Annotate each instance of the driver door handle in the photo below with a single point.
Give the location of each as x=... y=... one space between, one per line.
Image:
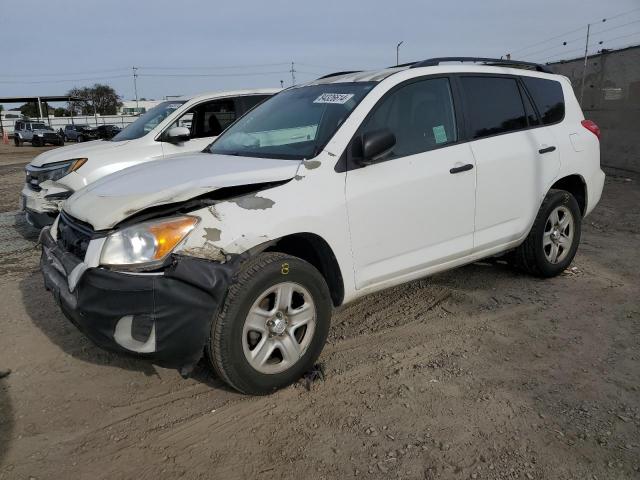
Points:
x=462 y=168
x=547 y=150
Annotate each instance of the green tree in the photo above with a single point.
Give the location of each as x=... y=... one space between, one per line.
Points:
x=99 y=98
x=31 y=109
x=60 y=112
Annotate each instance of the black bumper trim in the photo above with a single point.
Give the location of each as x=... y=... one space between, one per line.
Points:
x=182 y=302
x=39 y=219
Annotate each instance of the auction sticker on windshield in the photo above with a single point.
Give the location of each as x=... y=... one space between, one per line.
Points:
x=339 y=98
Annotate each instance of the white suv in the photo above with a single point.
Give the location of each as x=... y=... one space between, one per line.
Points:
x=326 y=192
x=176 y=126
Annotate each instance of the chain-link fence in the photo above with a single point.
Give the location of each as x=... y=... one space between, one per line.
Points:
x=611 y=98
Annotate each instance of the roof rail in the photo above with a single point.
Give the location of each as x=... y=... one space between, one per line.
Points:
x=335 y=74
x=432 y=62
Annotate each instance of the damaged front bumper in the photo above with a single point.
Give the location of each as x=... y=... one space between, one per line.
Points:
x=39 y=211
x=165 y=317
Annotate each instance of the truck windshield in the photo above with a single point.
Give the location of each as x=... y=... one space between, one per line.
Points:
x=295 y=124
x=148 y=121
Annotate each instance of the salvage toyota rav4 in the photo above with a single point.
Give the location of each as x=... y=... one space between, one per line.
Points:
x=328 y=191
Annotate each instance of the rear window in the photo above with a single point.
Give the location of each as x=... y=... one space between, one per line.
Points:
x=494 y=106
x=548 y=97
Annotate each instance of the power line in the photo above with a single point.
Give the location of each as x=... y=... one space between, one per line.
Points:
x=63 y=80
x=622 y=36
x=621 y=14
x=48 y=74
x=573 y=31
x=546 y=41
x=219 y=67
x=529 y=55
x=206 y=75
x=552 y=58
x=599 y=43
x=619 y=26
x=124 y=69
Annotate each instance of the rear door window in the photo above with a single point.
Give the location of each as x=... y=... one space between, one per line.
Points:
x=494 y=105
x=548 y=97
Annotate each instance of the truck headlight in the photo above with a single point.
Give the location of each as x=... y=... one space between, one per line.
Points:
x=53 y=171
x=147 y=243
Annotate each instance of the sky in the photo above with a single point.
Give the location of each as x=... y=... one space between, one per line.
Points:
x=194 y=46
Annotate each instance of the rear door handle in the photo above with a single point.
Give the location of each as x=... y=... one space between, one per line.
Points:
x=462 y=168
x=547 y=150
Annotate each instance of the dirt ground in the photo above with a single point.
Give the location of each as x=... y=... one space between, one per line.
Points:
x=480 y=372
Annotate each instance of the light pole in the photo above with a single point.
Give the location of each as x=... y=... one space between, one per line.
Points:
x=398 y=52
x=135 y=85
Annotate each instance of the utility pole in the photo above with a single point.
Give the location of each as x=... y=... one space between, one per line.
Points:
x=584 y=67
x=293 y=74
x=135 y=85
x=281 y=83
x=398 y=52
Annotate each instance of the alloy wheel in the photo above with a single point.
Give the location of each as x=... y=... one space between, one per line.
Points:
x=557 y=238
x=279 y=328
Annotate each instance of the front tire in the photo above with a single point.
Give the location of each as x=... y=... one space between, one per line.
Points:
x=273 y=324
x=553 y=240
x=79 y=139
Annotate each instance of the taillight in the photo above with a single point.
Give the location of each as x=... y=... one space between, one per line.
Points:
x=592 y=127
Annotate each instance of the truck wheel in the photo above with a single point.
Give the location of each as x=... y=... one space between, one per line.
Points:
x=17 y=141
x=35 y=142
x=79 y=139
x=273 y=324
x=553 y=240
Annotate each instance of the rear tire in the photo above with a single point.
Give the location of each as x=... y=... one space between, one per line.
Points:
x=554 y=237
x=271 y=292
x=17 y=141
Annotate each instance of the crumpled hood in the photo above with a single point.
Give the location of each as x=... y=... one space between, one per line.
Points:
x=108 y=201
x=79 y=150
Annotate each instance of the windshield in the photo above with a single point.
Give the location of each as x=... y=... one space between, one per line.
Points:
x=38 y=126
x=295 y=124
x=148 y=121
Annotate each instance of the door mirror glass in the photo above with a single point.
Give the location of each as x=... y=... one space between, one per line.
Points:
x=177 y=135
x=375 y=144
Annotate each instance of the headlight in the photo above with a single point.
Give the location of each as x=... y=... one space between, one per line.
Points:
x=146 y=243
x=55 y=171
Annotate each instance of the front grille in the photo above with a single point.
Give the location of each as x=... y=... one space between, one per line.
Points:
x=51 y=136
x=73 y=235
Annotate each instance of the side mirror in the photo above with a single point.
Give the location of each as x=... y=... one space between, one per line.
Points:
x=177 y=135
x=375 y=144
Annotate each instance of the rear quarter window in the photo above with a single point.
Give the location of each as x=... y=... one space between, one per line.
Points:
x=548 y=97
